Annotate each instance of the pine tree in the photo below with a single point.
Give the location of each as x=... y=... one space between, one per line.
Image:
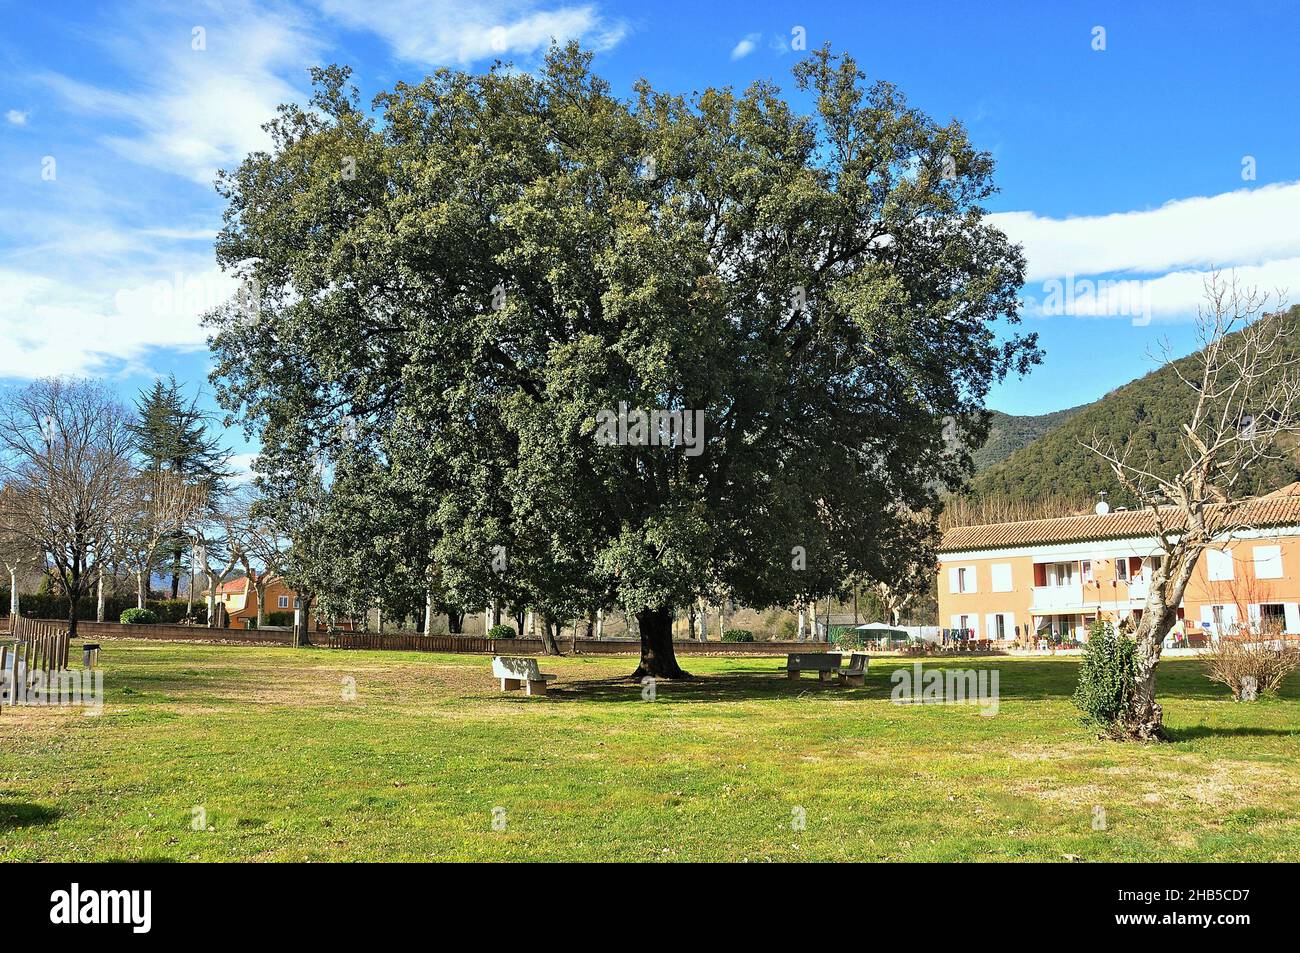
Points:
x=171 y=433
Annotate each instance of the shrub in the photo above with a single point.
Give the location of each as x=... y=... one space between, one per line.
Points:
x=283 y=618
x=1105 y=676
x=501 y=631
x=1234 y=660
x=738 y=635
x=139 y=617
x=175 y=610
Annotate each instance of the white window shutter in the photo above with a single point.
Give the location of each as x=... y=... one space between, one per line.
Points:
x=953 y=585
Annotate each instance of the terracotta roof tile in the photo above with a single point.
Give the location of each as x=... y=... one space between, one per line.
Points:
x=1280 y=508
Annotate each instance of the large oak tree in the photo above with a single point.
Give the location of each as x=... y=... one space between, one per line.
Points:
x=464 y=277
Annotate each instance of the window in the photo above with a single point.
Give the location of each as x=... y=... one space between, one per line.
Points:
x=961 y=579
x=295 y=603
x=1121 y=569
x=1002 y=577
x=1085 y=570
x=1219 y=564
x=1002 y=625
x=1062 y=574
x=1216 y=613
x=284 y=602
x=1272 y=618
x=1268 y=562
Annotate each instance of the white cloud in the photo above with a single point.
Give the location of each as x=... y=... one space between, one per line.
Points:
x=54 y=327
x=1246 y=227
x=242 y=465
x=439 y=32
x=1172 y=296
x=745 y=46
x=191 y=111
x=17 y=117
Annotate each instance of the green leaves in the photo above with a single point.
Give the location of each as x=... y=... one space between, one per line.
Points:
x=514 y=254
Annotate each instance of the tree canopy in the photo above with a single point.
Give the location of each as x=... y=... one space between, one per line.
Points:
x=449 y=292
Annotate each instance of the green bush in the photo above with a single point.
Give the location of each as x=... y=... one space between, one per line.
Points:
x=1105 y=676
x=501 y=631
x=139 y=617
x=738 y=635
x=279 y=618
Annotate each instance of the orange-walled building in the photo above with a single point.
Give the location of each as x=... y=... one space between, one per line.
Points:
x=240 y=602
x=1029 y=580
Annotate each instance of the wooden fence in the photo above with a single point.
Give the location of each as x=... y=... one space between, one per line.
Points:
x=409 y=642
x=39 y=647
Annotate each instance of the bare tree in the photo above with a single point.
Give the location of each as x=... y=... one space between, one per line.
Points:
x=1246 y=395
x=16 y=548
x=161 y=504
x=65 y=448
x=257 y=545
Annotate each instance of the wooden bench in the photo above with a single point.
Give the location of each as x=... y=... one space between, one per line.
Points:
x=825 y=664
x=516 y=673
x=856 y=674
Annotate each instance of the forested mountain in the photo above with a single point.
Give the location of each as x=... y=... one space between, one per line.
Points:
x=1150 y=411
x=1008 y=433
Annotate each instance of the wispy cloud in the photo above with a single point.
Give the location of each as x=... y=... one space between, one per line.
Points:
x=1247 y=227
x=193 y=110
x=1163 y=254
x=16 y=117
x=444 y=32
x=746 y=46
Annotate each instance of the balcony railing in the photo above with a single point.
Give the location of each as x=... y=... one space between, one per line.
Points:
x=1058 y=597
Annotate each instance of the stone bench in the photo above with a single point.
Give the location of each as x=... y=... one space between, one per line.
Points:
x=516 y=673
x=856 y=674
x=825 y=664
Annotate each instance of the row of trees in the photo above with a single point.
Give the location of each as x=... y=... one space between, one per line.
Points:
x=91 y=491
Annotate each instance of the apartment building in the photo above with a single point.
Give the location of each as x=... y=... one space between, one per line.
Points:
x=1021 y=581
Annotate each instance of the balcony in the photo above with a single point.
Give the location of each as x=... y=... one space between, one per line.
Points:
x=1058 y=597
x=1137 y=588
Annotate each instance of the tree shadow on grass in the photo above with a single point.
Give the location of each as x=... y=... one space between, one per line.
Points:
x=766 y=680
x=1192 y=732
x=15 y=815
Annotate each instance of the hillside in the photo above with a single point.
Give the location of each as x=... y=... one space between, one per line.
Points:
x=1008 y=433
x=1150 y=409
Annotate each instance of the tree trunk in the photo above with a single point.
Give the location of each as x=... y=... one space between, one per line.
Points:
x=302 y=624
x=600 y=624
x=548 y=636
x=212 y=600
x=799 y=636
x=658 y=660
x=455 y=621
x=176 y=571
x=72 y=616
x=1144 y=718
x=139 y=590
x=428 y=613
x=99 y=597
x=13 y=594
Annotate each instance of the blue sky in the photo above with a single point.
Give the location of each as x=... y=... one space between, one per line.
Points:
x=1172 y=150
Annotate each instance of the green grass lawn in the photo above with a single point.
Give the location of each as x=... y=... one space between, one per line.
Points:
x=286 y=768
